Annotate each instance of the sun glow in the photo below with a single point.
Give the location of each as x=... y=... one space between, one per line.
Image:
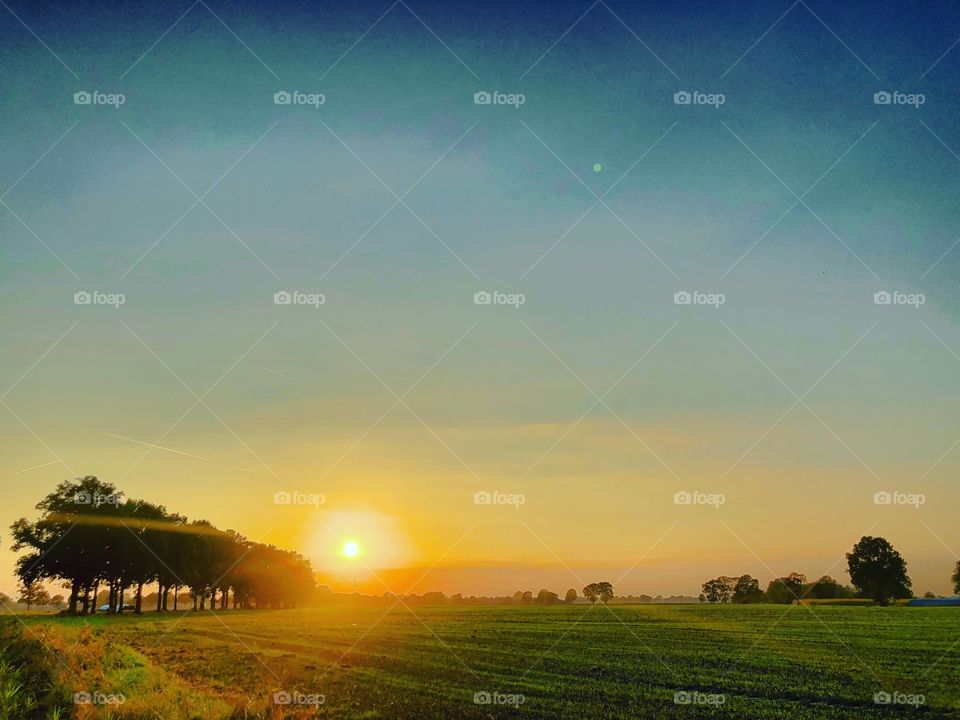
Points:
x=350 y=549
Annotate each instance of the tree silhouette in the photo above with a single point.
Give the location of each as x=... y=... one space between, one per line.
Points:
x=877 y=570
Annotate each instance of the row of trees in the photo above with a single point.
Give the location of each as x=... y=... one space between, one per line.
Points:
x=876 y=570
x=91 y=537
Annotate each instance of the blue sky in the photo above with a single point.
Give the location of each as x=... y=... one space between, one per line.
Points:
x=493 y=197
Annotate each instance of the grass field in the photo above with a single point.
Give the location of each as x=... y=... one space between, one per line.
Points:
x=566 y=661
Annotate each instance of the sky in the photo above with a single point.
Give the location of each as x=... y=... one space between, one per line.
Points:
x=183 y=197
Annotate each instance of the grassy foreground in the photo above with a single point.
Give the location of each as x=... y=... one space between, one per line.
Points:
x=566 y=661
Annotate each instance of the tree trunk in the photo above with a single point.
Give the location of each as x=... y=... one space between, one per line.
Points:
x=120 y=601
x=139 y=601
x=176 y=596
x=194 y=601
x=159 y=596
x=86 y=599
x=74 y=592
x=96 y=590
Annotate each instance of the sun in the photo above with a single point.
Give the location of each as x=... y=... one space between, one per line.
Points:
x=350 y=549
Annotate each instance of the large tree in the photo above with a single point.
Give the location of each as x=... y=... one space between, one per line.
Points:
x=746 y=590
x=877 y=570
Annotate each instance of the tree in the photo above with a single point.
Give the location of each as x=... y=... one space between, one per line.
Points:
x=571 y=597
x=746 y=590
x=602 y=591
x=827 y=588
x=32 y=593
x=545 y=597
x=718 y=590
x=58 y=601
x=956 y=579
x=878 y=571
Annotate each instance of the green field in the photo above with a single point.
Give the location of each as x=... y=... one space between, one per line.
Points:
x=624 y=661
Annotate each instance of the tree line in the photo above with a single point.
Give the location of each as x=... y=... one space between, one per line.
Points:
x=90 y=537
x=877 y=572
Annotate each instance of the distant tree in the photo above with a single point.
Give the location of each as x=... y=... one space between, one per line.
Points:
x=956 y=579
x=31 y=593
x=526 y=598
x=518 y=597
x=58 y=601
x=602 y=591
x=826 y=588
x=718 y=590
x=877 y=570
x=929 y=595
x=702 y=597
x=746 y=590
x=545 y=597
x=571 y=597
